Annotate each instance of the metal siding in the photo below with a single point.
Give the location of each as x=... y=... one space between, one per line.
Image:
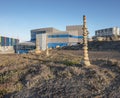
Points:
x=0 y=40
x=4 y=41
x=7 y=41
x=13 y=42
x=10 y=44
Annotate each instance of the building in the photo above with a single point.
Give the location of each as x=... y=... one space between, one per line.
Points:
x=52 y=38
x=6 y=41
x=7 y=44
x=107 y=32
x=24 y=47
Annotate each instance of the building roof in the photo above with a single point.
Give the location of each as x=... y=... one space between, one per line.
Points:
x=48 y=29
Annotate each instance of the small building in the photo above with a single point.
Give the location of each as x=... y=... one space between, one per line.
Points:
x=6 y=41
x=24 y=47
x=7 y=44
x=107 y=32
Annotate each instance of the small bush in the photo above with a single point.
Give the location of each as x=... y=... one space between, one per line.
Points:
x=69 y=63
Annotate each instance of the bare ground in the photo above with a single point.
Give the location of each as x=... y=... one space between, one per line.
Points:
x=60 y=75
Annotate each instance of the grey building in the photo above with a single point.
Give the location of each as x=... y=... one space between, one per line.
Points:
x=52 y=38
x=107 y=32
x=24 y=47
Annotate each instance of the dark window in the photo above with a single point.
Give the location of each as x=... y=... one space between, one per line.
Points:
x=110 y=29
x=105 y=30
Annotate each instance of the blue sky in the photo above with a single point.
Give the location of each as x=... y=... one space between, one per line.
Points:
x=18 y=17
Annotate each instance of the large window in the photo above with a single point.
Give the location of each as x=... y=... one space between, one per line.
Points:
x=58 y=36
x=33 y=34
x=40 y=32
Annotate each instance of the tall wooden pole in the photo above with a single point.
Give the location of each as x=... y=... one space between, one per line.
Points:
x=86 y=61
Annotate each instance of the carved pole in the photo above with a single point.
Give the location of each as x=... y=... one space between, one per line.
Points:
x=86 y=61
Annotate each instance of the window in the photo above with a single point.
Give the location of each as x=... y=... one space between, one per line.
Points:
x=110 y=29
x=64 y=36
x=39 y=32
x=58 y=36
x=105 y=30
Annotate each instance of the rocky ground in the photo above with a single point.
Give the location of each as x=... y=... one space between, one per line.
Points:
x=60 y=75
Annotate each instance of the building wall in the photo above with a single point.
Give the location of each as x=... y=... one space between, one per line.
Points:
x=75 y=30
x=6 y=49
x=58 y=37
x=42 y=41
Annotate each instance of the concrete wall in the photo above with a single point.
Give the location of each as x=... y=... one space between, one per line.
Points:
x=42 y=41
x=75 y=30
x=6 y=49
x=57 y=38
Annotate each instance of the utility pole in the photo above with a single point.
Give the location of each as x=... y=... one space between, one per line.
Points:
x=85 y=61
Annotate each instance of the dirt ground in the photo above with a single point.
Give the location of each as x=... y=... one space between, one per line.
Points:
x=60 y=75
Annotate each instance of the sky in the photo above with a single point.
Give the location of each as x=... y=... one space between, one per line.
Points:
x=18 y=17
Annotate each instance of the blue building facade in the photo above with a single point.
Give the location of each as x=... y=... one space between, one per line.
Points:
x=61 y=36
x=6 y=41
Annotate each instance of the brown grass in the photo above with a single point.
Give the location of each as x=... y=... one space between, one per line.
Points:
x=29 y=70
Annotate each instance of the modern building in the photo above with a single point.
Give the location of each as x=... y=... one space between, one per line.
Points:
x=107 y=32
x=52 y=38
x=6 y=41
x=7 y=44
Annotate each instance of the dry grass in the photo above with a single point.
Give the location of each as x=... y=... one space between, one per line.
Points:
x=29 y=70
